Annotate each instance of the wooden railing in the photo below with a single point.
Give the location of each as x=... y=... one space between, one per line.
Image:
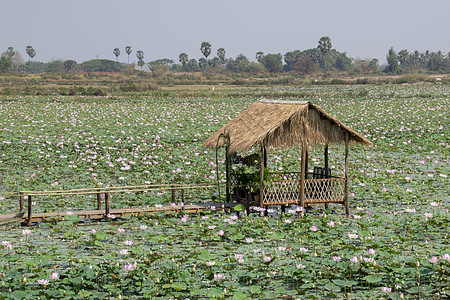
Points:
x=103 y=194
x=286 y=192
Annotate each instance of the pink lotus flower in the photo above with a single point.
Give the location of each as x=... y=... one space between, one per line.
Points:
x=331 y=224
x=372 y=251
x=43 y=282
x=300 y=266
x=313 y=228
x=386 y=289
x=433 y=260
x=354 y=259
x=130 y=267
x=54 y=276
x=221 y=232
x=337 y=258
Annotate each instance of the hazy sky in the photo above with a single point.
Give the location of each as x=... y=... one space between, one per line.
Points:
x=84 y=29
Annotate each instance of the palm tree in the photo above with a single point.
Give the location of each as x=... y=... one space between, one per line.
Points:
x=140 y=56
x=183 y=58
x=205 y=48
x=30 y=51
x=325 y=47
x=221 y=54
x=128 y=51
x=259 y=57
x=116 y=52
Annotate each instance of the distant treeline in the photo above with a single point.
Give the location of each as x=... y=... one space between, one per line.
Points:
x=322 y=59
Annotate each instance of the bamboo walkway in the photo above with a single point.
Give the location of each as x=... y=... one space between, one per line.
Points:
x=115 y=213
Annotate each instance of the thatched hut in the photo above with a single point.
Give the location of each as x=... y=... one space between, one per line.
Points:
x=279 y=124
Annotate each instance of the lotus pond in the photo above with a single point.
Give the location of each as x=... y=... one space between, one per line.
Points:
x=394 y=245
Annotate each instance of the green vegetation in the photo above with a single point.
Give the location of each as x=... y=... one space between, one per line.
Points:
x=320 y=60
x=393 y=246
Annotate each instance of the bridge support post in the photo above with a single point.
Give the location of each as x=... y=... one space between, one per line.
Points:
x=29 y=210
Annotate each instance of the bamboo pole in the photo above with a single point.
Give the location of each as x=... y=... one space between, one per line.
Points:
x=262 y=151
x=347 y=207
x=173 y=193
x=29 y=210
x=302 y=177
x=227 y=173
x=124 y=189
x=106 y=205
x=21 y=201
x=325 y=153
x=99 y=199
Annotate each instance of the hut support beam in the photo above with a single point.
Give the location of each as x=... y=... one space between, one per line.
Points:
x=325 y=154
x=262 y=162
x=227 y=173
x=347 y=207
x=302 y=177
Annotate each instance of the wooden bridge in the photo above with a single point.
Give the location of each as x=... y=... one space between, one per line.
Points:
x=27 y=215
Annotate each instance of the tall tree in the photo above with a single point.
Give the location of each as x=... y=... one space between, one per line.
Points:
x=140 y=56
x=325 y=47
x=403 y=58
x=128 y=52
x=116 y=52
x=259 y=56
x=10 y=53
x=192 y=65
x=221 y=54
x=273 y=63
x=5 y=64
x=205 y=48
x=374 y=63
x=31 y=52
x=183 y=58
x=70 y=66
x=392 y=61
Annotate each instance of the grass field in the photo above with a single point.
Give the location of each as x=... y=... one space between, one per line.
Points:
x=395 y=244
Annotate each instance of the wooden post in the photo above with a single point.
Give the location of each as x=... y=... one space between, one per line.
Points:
x=173 y=193
x=182 y=195
x=262 y=151
x=21 y=201
x=347 y=207
x=107 y=205
x=99 y=199
x=227 y=174
x=247 y=205
x=29 y=210
x=306 y=164
x=302 y=177
x=325 y=154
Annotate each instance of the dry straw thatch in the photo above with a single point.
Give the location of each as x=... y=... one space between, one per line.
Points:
x=278 y=123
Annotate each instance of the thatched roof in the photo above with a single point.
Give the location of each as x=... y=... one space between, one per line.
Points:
x=279 y=123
